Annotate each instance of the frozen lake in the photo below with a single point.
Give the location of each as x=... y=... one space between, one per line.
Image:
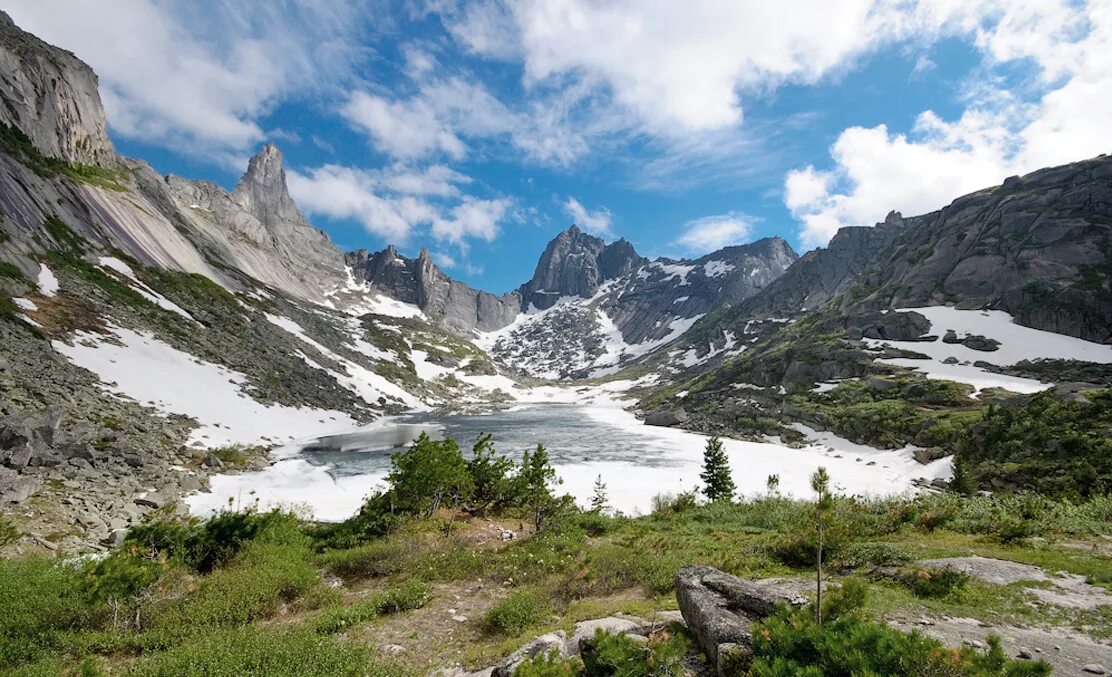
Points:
x=329 y=477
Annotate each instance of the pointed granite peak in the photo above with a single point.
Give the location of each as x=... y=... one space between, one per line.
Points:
x=263 y=191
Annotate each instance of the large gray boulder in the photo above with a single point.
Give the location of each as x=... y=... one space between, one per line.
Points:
x=719 y=610
x=553 y=641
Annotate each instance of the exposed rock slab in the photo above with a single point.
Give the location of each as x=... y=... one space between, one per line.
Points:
x=719 y=610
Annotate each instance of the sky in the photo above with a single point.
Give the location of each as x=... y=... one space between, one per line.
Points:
x=481 y=129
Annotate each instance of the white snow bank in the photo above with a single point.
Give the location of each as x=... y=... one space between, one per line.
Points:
x=138 y=365
x=25 y=304
x=1017 y=343
x=47 y=282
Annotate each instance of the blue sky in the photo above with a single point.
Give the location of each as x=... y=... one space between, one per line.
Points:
x=481 y=129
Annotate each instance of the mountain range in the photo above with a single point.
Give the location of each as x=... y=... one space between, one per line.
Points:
x=123 y=291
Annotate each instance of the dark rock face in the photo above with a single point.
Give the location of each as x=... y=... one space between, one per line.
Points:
x=719 y=610
x=453 y=304
x=666 y=419
x=1037 y=248
x=576 y=264
x=51 y=96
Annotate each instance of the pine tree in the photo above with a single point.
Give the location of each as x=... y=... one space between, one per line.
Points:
x=773 y=485
x=598 y=500
x=534 y=480
x=820 y=482
x=718 y=484
x=962 y=482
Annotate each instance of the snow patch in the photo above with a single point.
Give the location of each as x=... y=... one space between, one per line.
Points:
x=47 y=282
x=718 y=268
x=135 y=364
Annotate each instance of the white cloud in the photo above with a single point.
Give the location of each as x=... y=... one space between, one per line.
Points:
x=684 y=66
x=445 y=112
x=392 y=203
x=711 y=233
x=999 y=134
x=595 y=222
x=195 y=78
x=471 y=218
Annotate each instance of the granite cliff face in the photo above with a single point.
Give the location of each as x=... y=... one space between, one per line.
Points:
x=52 y=96
x=1038 y=247
x=56 y=127
x=576 y=264
x=451 y=303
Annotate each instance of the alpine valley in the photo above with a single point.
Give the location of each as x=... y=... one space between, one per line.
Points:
x=168 y=346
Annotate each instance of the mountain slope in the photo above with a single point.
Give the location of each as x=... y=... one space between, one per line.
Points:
x=1038 y=247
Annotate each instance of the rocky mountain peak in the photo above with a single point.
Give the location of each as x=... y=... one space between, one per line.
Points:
x=574 y=264
x=263 y=191
x=51 y=96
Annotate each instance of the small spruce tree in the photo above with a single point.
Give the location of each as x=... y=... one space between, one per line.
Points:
x=773 y=485
x=599 y=503
x=534 y=480
x=962 y=481
x=718 y=485
x=820 y=482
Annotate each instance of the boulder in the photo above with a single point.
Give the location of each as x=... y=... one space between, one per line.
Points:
x=929 y=455
x=981 y=343
x=553 y=641
x=585 y=631
x=17 y=488
x=666 y=419
x=719 y=610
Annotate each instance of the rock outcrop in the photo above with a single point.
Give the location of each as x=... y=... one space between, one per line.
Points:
x=576 y=264
x=51 y=96
x=453 y=304
x=719 y=610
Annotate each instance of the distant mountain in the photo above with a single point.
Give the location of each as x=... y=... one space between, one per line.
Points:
x=592 y=308
x=419 y=281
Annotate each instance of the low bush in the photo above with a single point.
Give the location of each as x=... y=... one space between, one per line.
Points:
x=518 y=612
x=408 y=596
x=377 y=558
x=933 y=582
x=792 y=643
x=257 y=651
x=622 y=656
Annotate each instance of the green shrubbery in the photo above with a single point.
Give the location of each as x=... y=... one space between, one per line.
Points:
x=792 y=643
x=926 y=582
x=518 y=612
x=614 y=655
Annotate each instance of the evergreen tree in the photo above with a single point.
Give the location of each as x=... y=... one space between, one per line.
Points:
x=718 y=484
x=598 y=500
x=533 y=481
x=428 y=475
x=962 y=481
x=820 y=482
x=773 y=485
x=490 y=474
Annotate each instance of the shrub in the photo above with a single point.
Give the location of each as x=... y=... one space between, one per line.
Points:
x=871 y=553
x=933 y=582
x=205 y=545
x=377 y=558
x=257 y=651
x=38 y=599
x=664 y=505
x=622 y=656
x=792 y=643
x=516 y=613
x=845 y=599
x=411 y=595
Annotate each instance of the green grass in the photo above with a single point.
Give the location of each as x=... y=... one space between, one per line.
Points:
x=15 y=143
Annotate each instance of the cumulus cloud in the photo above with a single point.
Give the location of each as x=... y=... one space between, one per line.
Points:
x=392 y=203
x=710 y=233
x=999 y=134
x=193 y=78
x=595 y=222
x=444 y=112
